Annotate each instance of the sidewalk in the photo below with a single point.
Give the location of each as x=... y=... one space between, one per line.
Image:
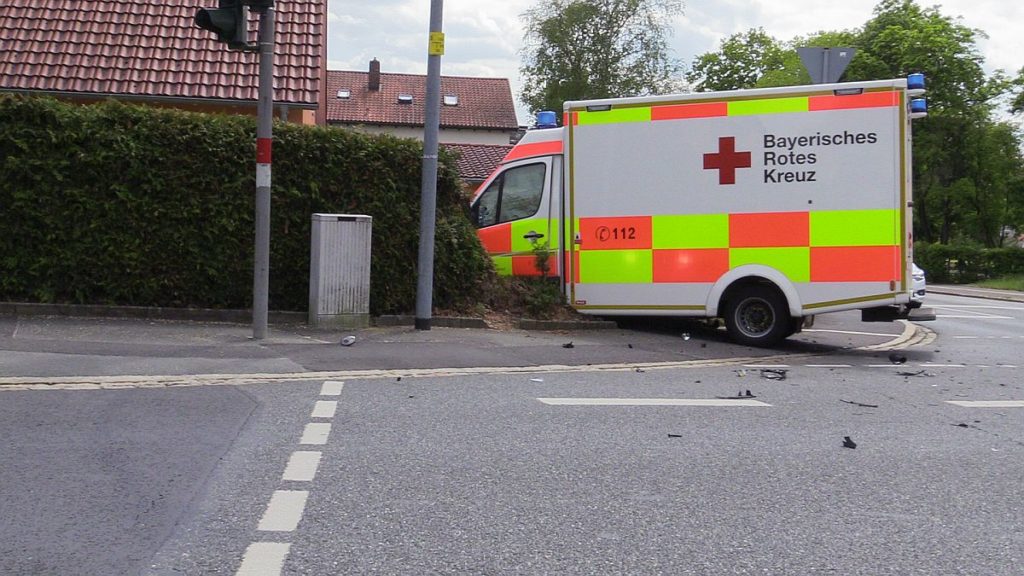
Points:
x=975 y=292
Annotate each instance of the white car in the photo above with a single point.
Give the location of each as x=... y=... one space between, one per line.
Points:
x=917 y=287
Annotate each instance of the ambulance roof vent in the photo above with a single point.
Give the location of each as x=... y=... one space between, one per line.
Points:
x=547 y=119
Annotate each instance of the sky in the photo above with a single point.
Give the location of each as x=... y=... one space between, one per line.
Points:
x=484 y=38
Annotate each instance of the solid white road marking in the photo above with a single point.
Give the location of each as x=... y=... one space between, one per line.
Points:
x=943 y=365
x=977 y=317
x=988 y=403
x=847 y=332
x=829 y=365
x=302 y=466
x=324 y=409
x=264 y=559
x=315 y=433
x=331 y=388
x=648 y=402
x=284 y=511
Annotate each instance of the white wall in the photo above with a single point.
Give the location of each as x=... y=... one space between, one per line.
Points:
x=445 y=136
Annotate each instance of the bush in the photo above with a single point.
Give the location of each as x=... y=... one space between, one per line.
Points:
x=964 y=263
x=132 y=205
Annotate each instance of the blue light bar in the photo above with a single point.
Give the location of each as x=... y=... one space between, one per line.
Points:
x=915 y=81
x=547 y=119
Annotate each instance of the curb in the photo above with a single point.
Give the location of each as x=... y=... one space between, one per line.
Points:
x=989 y=294
x=146 y=313
x=236 y=316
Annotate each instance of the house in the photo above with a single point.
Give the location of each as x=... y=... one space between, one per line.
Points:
x=473 y=110
x=151 y=51
x=478 y=116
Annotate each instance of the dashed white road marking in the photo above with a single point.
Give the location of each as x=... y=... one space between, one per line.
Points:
x=331 y=388
x=943 y=365
x=324 y=409
x=284 y=511
x=988 y=403
x=765 y=366
x=648 y=402
x=302 y=466
x=829 y=365
x=263 y=559
x=315 y=433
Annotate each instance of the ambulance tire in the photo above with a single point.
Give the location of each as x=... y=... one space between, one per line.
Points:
x=757 y=315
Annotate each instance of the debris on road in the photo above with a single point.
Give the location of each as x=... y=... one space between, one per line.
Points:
x=638 y=369
x=675 y=435
x=918 y=373
x=847 y=443
x=536 y=379
x=861 y=404
x=348 y=340
x=568 y=345
x=739 y=396
x=897 y=358
x=686 y=335
x=740 y=373
x=773 y=373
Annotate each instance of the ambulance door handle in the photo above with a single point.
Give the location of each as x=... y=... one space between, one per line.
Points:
x=533 y=236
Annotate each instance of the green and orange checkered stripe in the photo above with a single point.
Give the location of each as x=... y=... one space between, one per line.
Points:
x=820 y=246
x=628 y=113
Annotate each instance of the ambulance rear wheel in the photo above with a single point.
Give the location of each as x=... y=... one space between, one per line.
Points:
x=757 y=315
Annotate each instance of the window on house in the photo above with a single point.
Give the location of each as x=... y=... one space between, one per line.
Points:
x=451 y=100
x=405 y=98
x=344 y=93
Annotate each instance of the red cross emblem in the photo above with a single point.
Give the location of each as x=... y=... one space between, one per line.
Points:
x=727 y=160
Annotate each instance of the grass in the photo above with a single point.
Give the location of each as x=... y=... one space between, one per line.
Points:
x=1015 y=282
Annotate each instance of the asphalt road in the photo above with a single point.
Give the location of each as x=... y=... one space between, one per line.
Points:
x=499 y=472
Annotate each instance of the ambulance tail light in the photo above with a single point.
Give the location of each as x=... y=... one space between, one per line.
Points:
x=547 y=119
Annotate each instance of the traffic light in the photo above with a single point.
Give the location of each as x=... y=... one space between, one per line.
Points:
x=229 y=22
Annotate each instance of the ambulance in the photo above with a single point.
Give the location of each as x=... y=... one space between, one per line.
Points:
x=762 y=207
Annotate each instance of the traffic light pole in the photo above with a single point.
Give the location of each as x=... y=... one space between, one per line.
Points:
x=264 y=141
x=428 y=183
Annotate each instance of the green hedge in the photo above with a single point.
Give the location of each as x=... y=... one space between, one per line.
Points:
x=961 y=264
x=132 y=205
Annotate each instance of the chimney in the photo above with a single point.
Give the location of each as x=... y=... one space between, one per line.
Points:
x=374 y=75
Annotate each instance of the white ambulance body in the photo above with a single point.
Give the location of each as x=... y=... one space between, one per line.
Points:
x=762 y=207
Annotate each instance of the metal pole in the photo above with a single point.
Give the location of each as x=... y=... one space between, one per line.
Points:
x=428 y=198
x=264 y=141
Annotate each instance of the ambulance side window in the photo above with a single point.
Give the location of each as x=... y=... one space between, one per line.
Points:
x=514 y=195
x=485 y=211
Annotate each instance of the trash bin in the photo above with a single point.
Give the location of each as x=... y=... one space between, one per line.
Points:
x=339 y=271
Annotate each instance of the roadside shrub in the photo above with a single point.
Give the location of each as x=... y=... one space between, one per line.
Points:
x=132 y=205
x=965 y=263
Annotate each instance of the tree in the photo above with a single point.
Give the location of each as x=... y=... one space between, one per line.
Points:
x=585 y=49
x=967 y=166
x=740 y=62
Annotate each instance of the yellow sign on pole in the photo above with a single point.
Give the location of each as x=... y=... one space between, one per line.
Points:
x=436 y=47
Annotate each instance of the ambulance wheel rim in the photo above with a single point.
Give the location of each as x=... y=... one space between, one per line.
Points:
x=755 y=317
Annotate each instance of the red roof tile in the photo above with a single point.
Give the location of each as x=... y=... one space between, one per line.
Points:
x=152 y=48
x=477 y=161
x=484 y=103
